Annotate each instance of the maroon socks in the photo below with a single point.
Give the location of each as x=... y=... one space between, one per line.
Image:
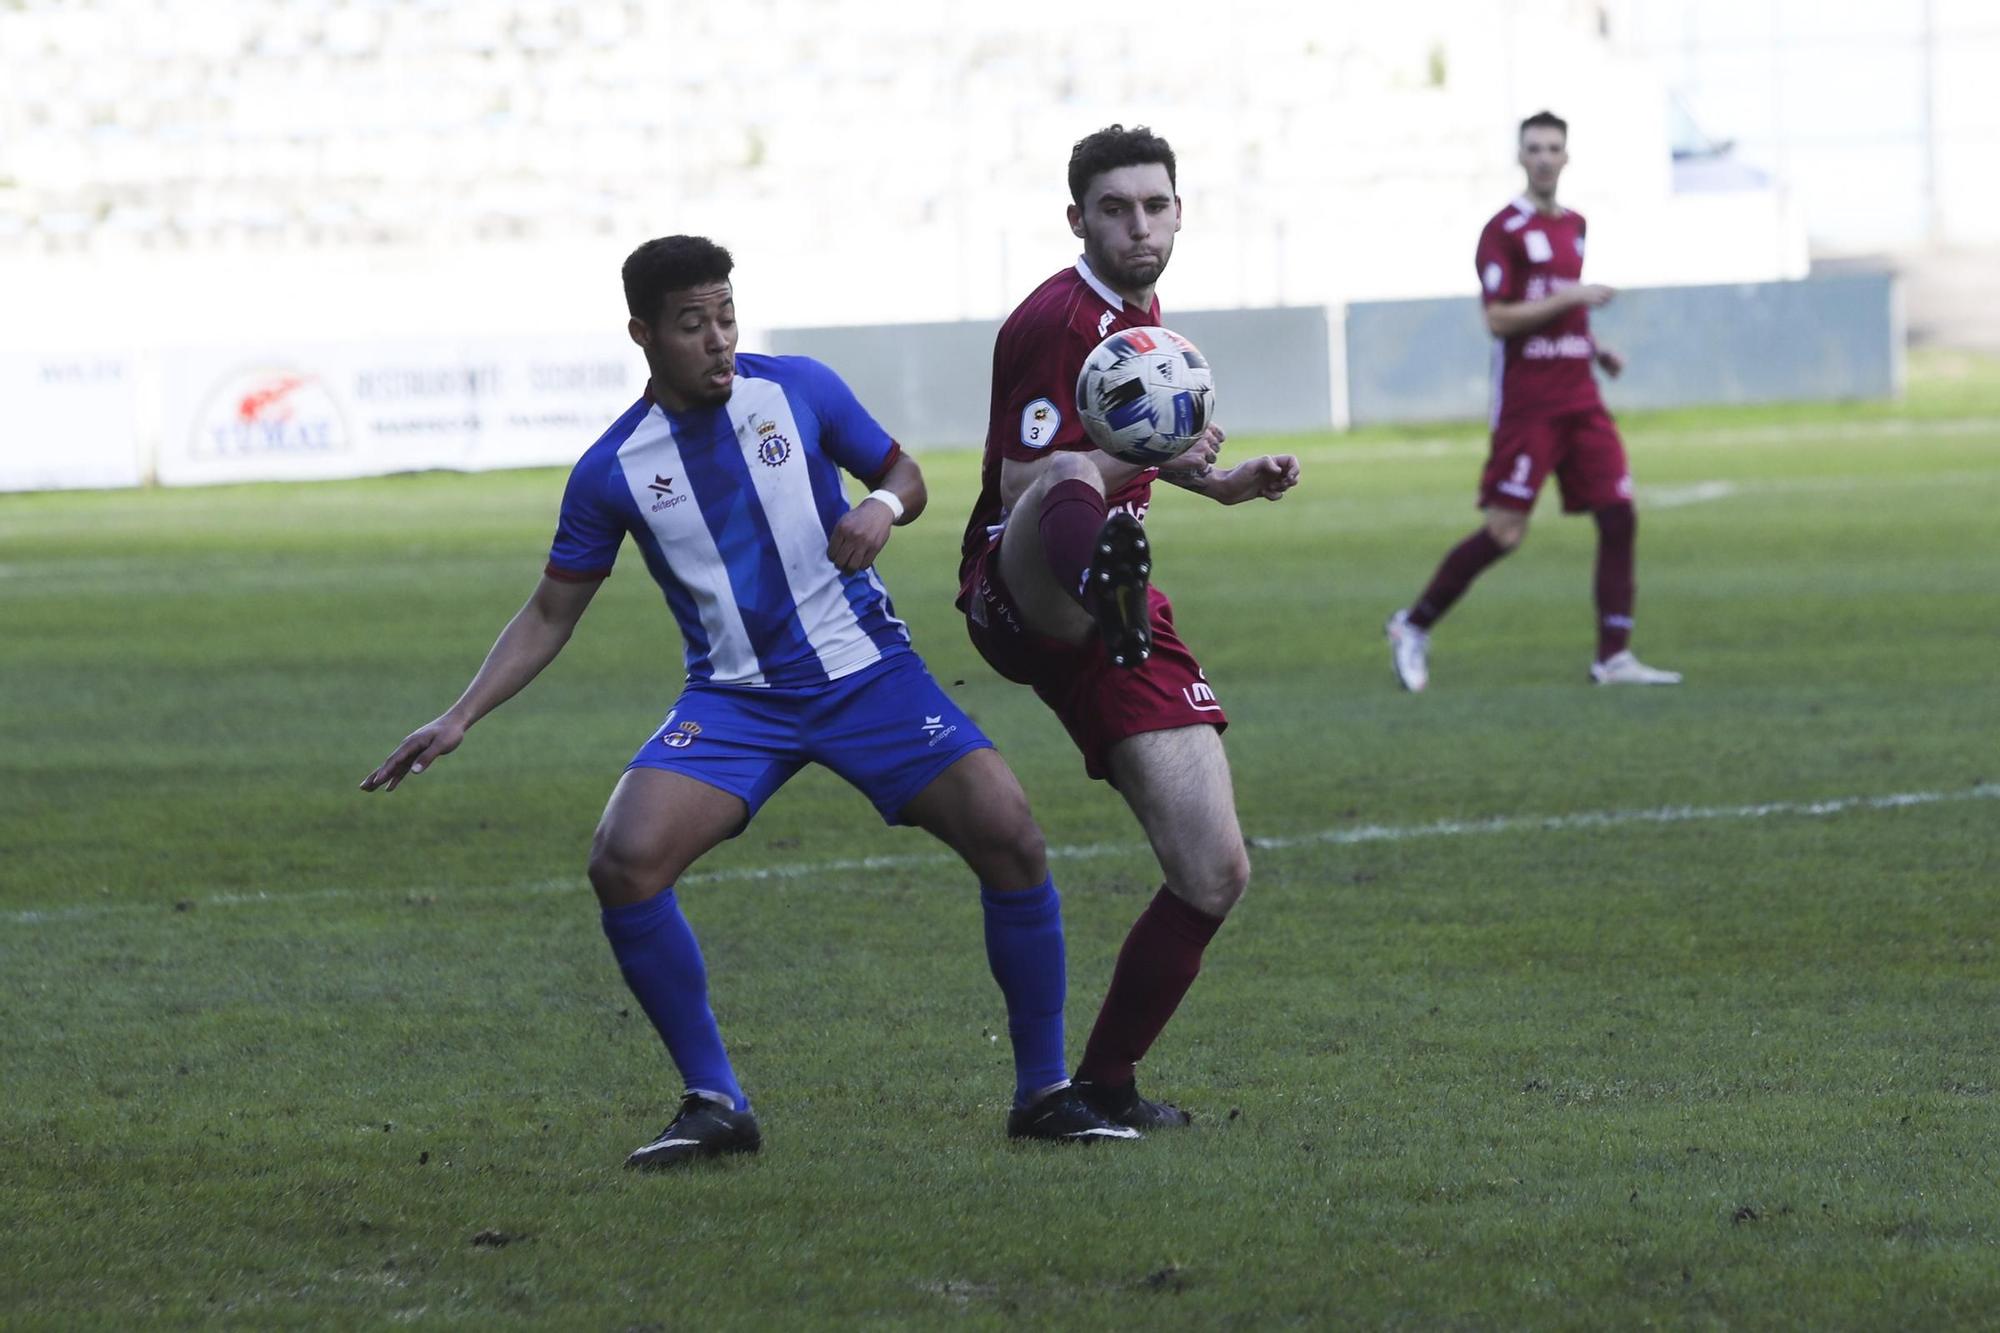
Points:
x=1454 y=576
x=1157 y=964
x=1617 y=533
x=1072 y=513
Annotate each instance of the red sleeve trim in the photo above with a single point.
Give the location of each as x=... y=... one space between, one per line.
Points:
x=895 y=456
x=557 y=572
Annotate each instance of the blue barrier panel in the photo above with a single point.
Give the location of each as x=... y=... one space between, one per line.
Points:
x=931 y=384
x=1823 y=338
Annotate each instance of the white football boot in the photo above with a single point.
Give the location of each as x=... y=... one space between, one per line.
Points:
x=1410 y=652
x=1625 y=669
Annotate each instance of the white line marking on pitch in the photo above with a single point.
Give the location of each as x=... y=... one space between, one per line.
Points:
x=1702 y=492
x=1676 y=497
x=1343 y=837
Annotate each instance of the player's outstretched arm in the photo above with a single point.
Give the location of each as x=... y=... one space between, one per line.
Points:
x=864 y=530
x=1016 y=474
x=530 y=642
x=1266 y=477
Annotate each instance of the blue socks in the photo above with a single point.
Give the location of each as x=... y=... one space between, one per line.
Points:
x=662 y=964
x=1024 y=947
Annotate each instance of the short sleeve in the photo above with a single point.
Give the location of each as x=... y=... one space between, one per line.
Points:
x=1034 y=399
x=589 y=528
x=1499 y=273
x=847 y=433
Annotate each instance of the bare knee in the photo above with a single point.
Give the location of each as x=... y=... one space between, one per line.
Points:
x=1072 y=466
x=619 y=877
x=1006 y=848
x=1217 y=888
x=1507 y=528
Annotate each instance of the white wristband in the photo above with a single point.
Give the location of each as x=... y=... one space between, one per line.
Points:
x=891 y=499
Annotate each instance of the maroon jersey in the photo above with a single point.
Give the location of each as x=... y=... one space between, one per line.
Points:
x=1525 y=255
x=1036 y=358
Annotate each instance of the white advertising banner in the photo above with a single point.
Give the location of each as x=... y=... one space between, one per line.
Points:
x=70 y=421
x=308 y=412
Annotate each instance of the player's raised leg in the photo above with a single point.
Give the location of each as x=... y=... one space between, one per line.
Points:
x=977 y=808
x=655 y=826
x=1177 y=782
x=1075 y=568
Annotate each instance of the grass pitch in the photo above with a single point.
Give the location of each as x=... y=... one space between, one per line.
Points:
x=1549 y=1006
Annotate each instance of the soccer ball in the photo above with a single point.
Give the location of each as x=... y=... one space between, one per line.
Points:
x=1145 y=395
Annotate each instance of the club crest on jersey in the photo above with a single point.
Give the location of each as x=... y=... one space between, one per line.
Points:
x=773 y=448
x=1537 y=245
x=1039 y=422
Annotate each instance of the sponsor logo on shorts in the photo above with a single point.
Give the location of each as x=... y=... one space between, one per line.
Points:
x=988 y=605
x=1200 y=697
x=936 y=729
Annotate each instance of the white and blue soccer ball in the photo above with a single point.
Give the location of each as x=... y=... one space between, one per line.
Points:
x=1145 y=395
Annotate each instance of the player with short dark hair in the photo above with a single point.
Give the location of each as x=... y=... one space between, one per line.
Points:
x=1056 y=590
x=1547 y=418
x=671 y=263
x=727 y=477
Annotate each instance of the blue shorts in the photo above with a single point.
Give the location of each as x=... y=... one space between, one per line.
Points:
x=889 y=730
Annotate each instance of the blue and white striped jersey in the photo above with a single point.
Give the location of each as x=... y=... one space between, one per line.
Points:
x=732 y=507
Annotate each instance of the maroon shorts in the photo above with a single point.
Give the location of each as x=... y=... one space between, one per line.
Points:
x=1583 y=450
x=1100 y=704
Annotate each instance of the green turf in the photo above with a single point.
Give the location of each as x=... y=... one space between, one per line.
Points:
x=276 y=1053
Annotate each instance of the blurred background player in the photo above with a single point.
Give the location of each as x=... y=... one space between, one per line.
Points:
x=1057 y=595
x=726 y=475
x=1547 y=417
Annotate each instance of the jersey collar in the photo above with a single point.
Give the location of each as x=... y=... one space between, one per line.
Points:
x=1527 y=206
x=1096 y=284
